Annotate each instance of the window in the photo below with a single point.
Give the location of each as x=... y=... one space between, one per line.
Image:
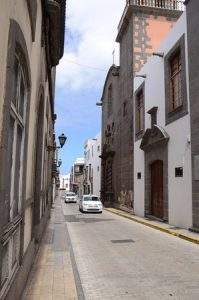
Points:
x=140 y=111
x=110 y=99
x=98 y=148
x=87 y=198
x=179 y=172
x=15 y=139
x=10 y=258
x=16 y=126
x=175 y=82
x=5 y=264
x=176 y=105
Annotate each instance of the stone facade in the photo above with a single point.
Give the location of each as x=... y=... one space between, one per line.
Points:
x=138 y=38
x=27 y=67
x=192 y=9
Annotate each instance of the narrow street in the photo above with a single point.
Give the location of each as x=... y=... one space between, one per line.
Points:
x=116 y=258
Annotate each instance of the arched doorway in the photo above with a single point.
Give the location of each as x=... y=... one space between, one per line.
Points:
x=155 y=146
x=157 y=192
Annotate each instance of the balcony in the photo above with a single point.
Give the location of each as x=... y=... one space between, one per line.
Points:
x=172 y=5
x=164 y=4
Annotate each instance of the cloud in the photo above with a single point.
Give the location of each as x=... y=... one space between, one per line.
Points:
x=91 y=29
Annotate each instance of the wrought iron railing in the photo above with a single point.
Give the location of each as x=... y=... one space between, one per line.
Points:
x=177 y=5
x=165 y=4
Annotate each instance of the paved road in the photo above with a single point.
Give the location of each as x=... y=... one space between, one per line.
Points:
x=116 y=258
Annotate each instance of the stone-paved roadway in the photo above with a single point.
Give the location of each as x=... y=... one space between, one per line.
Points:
x=153 y=265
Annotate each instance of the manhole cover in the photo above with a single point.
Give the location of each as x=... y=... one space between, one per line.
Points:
x=122 y=241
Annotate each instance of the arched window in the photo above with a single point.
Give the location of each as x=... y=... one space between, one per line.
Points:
x=13 y=153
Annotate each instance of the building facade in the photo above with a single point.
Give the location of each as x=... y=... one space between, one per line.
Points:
x=32 y=41
x=162 y=146
x=65 y=182
x=144 y=24
x=77 y=177
x=192 y=9
x=92 y=168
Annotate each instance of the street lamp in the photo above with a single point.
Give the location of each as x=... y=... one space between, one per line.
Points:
x=62 y=139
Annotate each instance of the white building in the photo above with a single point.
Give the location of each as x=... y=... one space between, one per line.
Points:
x=92 y=172
x=65 y=182
x=162 y=150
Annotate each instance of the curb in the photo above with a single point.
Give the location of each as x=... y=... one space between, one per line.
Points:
x=154 y=226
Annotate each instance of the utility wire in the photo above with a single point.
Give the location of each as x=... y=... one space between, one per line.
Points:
x=85 y=66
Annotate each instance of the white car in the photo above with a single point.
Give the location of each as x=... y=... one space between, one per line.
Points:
x=90 y=203
x=70 y=197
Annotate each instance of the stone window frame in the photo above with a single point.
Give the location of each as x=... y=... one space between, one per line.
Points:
x=181 y=111
x=139 y=133
x=10 y=227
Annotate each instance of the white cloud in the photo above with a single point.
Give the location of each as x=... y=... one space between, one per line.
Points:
x=96 y=23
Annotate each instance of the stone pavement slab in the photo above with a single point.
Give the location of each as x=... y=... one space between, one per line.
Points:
x=52 y=275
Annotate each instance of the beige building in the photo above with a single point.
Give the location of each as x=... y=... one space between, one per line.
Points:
x=77 y=177
x=32 y=42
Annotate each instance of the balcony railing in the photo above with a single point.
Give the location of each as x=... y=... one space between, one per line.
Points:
x=177 y=5
x=165 y=4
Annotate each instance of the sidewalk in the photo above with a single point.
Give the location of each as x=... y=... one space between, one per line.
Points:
x=164 y=227
x=52 y=275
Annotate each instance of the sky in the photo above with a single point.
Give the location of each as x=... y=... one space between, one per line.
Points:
x=91 y=29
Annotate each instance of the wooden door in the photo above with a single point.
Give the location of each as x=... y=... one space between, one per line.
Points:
x=157 y=207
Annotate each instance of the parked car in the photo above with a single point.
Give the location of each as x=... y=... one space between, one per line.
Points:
x=70 y=197
x=90 y=203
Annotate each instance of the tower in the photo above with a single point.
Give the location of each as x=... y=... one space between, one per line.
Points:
x=150 y=21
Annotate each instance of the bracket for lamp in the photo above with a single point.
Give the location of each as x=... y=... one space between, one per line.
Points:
x=159 y=54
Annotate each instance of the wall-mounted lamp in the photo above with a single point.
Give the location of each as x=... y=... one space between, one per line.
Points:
x=99 y=103
x=62 y=139
x=159 y=54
